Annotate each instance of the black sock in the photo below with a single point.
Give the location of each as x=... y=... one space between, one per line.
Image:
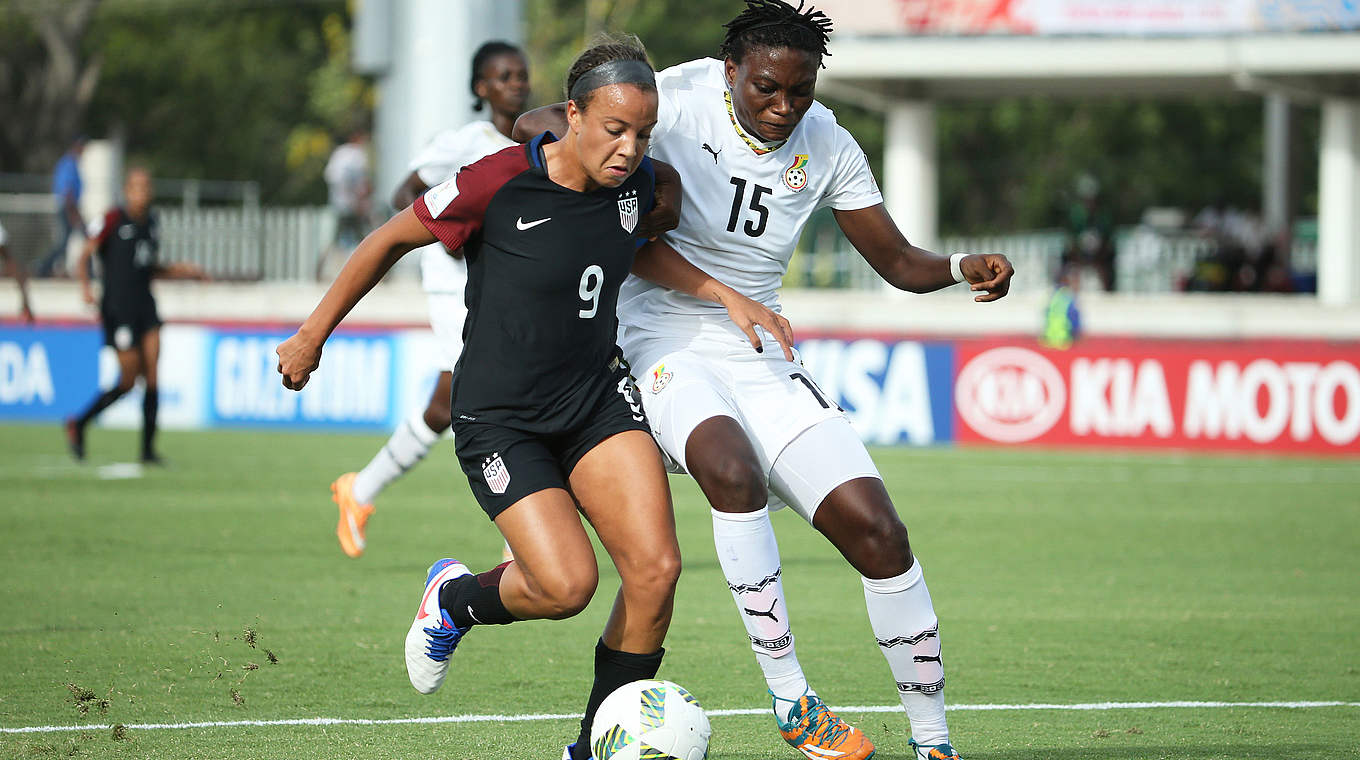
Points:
x=150 y=404
x=474 y=599
x=100 y=403
x=612 y=670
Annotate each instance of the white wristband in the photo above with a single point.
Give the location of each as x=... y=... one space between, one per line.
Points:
x=956 y=266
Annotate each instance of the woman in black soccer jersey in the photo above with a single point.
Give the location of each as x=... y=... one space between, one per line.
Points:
x=545 y=415
x=127 y=244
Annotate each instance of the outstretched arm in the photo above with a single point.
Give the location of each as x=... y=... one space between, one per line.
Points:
x=300 y=355
x=83 y=269
x=182 y=270
x=907 y=267
x=549 y=118
x=408 y=191
x=14 y=269
x=658 y=262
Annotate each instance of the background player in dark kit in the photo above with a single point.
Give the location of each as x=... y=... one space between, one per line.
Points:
x=545 y=416
x=127 y=244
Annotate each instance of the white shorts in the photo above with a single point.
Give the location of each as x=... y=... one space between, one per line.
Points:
x=447 y=314
x=714 y=372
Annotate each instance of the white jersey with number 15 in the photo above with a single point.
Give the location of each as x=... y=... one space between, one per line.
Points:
x=745 y=200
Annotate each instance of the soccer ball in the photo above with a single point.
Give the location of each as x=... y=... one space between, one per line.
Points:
x=650 y=720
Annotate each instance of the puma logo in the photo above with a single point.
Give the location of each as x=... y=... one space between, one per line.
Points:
x=715 y=153
x=767 y=613
x=926 y=658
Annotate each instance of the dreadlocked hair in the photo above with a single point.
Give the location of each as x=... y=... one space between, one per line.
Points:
x=774 y=23
x=481 y=58
x=605 y=48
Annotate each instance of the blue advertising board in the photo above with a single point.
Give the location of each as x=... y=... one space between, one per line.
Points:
x=354 y=388
x=894 y=392
x=47 y=373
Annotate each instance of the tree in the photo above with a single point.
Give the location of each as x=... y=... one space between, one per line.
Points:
x=47 y=79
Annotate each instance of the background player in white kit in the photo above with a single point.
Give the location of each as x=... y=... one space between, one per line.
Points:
x=500 y=79
x=757 y=156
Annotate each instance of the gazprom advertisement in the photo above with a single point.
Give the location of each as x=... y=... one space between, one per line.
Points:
x=1269 y=396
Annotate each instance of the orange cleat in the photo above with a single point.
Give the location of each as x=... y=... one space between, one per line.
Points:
x=506 y=554
x=353 y=515
x=820 y=735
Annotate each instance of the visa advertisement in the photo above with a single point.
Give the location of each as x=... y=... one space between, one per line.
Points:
x=1248 y=396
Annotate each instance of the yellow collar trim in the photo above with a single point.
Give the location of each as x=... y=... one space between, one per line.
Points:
x=759 y=146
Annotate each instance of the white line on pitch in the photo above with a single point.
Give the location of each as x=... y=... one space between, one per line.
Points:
x=717 y=713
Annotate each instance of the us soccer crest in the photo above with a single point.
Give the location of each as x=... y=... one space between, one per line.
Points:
x=795 y=177
x=628 y=211
x=496 y=474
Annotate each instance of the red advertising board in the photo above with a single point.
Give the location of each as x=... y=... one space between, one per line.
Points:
x=1280 y=396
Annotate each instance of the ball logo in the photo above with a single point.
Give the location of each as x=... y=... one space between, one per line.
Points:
x=795 y=176
x=1010 y=394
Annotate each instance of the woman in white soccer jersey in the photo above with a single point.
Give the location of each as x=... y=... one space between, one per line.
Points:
x=757 y=156
x=500 y=79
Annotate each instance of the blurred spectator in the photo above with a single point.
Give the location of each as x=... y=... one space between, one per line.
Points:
x=1062 y=319
x=347 y=178
x=1090 y=232
x=66 y=186
x=12 y=266
x=1243 y=251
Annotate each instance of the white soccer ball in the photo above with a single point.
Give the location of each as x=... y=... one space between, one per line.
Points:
x=650 y=720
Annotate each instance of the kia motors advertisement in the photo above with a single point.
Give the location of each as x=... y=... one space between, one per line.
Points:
x=1301 y=396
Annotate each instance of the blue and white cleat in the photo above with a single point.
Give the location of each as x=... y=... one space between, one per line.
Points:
x=433 y=636
x=566 y=751
x=933 y=751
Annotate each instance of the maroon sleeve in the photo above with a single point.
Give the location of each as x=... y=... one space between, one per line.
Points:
x=454 y=210
x=106 y=228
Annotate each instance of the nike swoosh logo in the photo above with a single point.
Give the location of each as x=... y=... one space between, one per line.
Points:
x=421 y=614
x=522 y=225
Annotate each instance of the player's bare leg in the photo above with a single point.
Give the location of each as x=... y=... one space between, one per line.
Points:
x=720 y=457
x=634 y=519
x=555 y=580
x=859 y=518
x=129 y=367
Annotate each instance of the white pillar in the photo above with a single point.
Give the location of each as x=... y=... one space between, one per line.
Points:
x=910 y=171
x=1339 y=204
x=1275 y=208
x=421 y=51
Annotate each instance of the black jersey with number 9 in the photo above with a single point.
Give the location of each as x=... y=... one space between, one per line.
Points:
x=545 y=263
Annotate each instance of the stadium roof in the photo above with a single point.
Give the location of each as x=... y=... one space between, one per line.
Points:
x=1303 y=65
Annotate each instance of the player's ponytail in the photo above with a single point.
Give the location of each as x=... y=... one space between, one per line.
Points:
x=610 y=60
x=481 y=58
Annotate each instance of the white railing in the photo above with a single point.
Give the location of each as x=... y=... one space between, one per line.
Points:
x=1146 y=260
x=244 y=243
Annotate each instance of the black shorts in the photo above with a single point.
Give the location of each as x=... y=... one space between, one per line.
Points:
x=125 y=325
x=504 y=464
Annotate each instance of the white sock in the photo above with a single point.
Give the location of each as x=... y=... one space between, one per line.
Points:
x=409 y=444
x=749 y=557
x=908 y=634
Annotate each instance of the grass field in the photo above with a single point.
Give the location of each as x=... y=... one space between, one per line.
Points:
x=1059 y=579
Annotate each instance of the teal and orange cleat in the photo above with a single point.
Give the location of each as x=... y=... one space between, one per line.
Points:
x=820 y=735
x=933 y=751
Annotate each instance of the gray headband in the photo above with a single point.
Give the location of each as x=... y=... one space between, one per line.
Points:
x=612 y=72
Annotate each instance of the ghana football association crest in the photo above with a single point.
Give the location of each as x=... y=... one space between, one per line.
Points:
x=628 y=211
x=795 y=177
x=660 y=378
